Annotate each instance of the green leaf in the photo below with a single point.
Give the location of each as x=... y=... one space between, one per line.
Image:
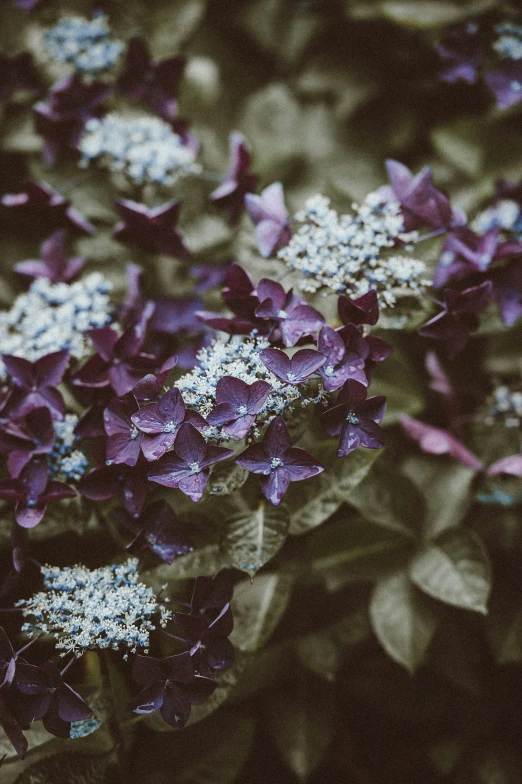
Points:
x=257 y=608
x=205 y=561
x=321 y=652
x=251 y=537
x=391 y=500
x=227 y=478
x=402 y=620
x=66 y=769
x=446 y=488
x=454 y=569
x=314 y=501
x=300 y=721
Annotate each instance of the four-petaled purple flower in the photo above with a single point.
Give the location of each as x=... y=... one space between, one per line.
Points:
x=211 y=594
x=124 y=439
x=363 y=310
x=237 y=404
x=151 y=230
x=340 y=364
x=295 y=370
x=459 y=317
x=128 y=483
x=461 y=53
x=157 y=529
x=239 y=180
x=465 y=253
x=160 y=423
x=41 y=206
x=420 y=200
x=172 y=687
x=54 y=263
x=61 y=119
x=119 y=362
x=35 y=383
x=31 y=492
x=188 y=466
x=354 y=419
x=278 y=462
x=45 y=695
x=210 y=646
x=292 y=314
x=270 y=217
x=155 y=82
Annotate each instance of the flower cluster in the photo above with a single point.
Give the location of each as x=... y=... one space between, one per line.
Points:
x=509 y=40
x=54 y=316
x=94 y=609
x=84 y=44
x=347 y=253
x=66 y=462
x=142 y=147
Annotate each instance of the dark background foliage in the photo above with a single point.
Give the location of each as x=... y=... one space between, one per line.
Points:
x=383 y=642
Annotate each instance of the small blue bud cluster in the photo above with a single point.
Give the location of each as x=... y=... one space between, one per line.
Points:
x=84 y=44
x=66 y=462
x=509 y=42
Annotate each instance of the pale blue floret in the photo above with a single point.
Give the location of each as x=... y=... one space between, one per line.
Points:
x=509 y=43
x=50 y=317
x=80 y=729
x=106 y=608
x=66 y=462
x=142 y=147
x=84 y=44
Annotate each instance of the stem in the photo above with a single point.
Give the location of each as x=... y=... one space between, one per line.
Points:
x=69 y=663
x=430 y=235
x=28 y=645
x=114 y=726
x=173 y=636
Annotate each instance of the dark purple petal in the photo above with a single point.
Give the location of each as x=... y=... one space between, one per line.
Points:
x=275 y=485
x=149 y=700
x=176 y=706
x=439 y=442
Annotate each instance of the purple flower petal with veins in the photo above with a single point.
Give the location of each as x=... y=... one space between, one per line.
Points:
x=340 y=364
x=150 y=230
x=363 y=310
x=295 y=370
x=161 y=421
x=292 y=314
x=44 y=207
x=278 y=462
x=188 y=466
x=237 y=404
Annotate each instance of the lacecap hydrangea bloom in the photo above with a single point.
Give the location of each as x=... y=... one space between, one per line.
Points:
x=94 y=609
x=508 y=45
x=240 y=358
x=84 y=44
x=50 y=317
x=344 y=253
x=142 y=147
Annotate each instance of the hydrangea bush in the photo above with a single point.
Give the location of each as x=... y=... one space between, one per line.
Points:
x=260 y=392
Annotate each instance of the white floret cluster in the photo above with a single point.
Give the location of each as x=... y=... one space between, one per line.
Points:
x=85 y=44
x=504 y=215
x=66 y=462
x=54 y=316
x=239 y=357
x=508 y=45
x=83 y=609
x=344 y=253
x=505 y=405
x=142 y=147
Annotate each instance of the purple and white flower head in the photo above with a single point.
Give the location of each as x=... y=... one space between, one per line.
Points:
x=84 y=45
x=143 y=148
x=240 y=358
x=99 y=609
x=50 y=317
x=350 y=254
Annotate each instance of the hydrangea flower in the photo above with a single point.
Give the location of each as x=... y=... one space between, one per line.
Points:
x=157 y=529
x=144 y=148
x=237 y=404
x=239 y=180
x=345 y=253
x=53 y=264
x=292 y=370
x=187 y=467
x=45 y=695
x=31 y=492
x=354 y=419
x=209 y=644
x=341 y=364
x=99 y=609
x=294 y=317
x=127 y=483
x=151 y=230
x=26 y=438
x=35 y=383
x=52 y=317
x=241 y=358
x=172 y=687
x=41 y=206
x=278 y=462
x=270 y=217
x=83 y=44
